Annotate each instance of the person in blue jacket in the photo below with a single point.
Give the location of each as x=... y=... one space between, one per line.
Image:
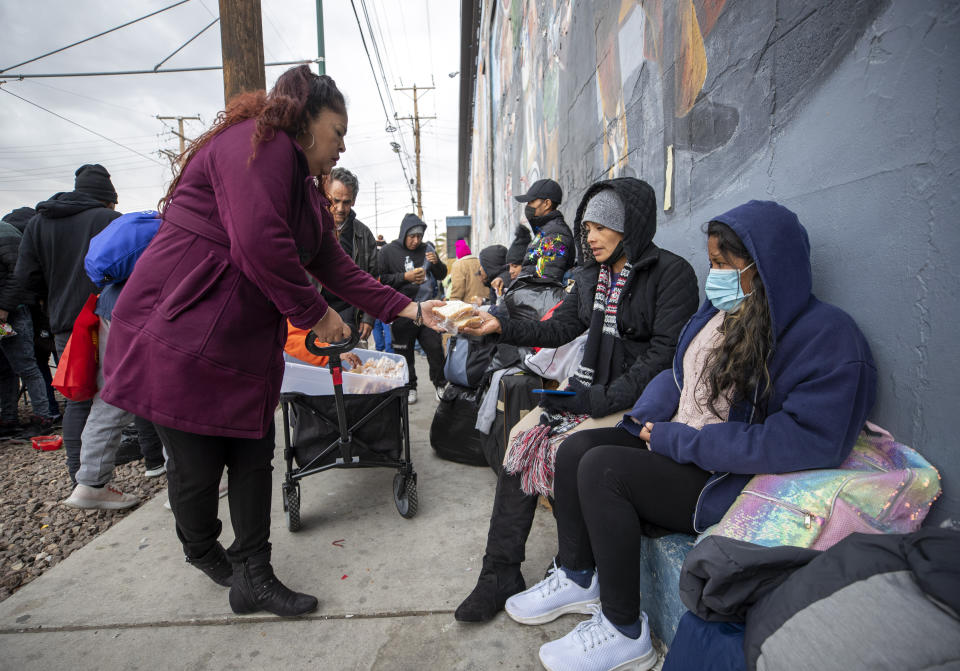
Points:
x=766 y=379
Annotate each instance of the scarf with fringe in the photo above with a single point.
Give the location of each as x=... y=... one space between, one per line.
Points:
x=533 y=452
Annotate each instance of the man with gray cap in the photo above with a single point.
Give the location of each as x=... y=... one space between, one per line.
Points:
x=52 y=251
x=551 y=252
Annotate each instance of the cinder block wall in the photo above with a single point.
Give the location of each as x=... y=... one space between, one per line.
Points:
x=845 y=111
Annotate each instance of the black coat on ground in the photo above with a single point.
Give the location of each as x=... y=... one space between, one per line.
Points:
x=52 y=251
x=659 y=298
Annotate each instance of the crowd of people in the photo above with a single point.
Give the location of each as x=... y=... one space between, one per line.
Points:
x=673 y=406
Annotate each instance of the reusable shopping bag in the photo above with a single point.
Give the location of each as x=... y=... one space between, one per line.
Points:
x=882 y=487
x=76 y=376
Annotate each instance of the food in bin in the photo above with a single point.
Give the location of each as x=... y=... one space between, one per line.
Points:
x=381 y=367
x=457 y=315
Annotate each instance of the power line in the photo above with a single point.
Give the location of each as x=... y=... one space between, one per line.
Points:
x=201 y=68
x=93 y=37
x=178 y=49
x=379 y=93
x=89 y=130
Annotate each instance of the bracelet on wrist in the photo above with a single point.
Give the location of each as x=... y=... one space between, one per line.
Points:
x=418 y=320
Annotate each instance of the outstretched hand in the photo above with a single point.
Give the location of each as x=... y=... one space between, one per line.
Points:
x=490 y=324
x=430 y=318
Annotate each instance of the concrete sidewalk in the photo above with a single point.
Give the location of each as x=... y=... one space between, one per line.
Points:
x=128 y=601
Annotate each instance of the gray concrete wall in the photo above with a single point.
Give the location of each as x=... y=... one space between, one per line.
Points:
x=847 y=112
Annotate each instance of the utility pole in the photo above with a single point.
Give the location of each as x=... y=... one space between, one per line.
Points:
x=179 y=133
x=241 y=39
x=416 y=137
x=321 y=56
x=376 y=211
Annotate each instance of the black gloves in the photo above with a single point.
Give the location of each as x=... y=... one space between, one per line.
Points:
x=578 y=405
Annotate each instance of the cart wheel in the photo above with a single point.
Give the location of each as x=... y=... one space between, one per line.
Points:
x=292 y=496
x=405 y=495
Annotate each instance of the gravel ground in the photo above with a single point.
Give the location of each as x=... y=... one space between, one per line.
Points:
x=36 y=530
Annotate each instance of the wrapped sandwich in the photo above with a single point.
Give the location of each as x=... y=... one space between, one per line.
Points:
x=456 y=315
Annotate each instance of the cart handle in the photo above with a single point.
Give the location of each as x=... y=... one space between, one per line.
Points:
x=335 y=348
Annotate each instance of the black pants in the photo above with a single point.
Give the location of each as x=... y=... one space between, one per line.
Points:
x=609 y=490
x=405 y=332
x=194 y=466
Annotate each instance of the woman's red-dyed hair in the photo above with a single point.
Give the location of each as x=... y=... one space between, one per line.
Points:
x=297 y=97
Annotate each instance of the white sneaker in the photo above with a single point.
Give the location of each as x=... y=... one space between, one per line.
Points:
x=596 y=645
x=155 y=472
x=552 y=597
x=411 y=396
x=103 y=498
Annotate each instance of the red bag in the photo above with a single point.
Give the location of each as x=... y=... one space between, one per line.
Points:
x=76 y=376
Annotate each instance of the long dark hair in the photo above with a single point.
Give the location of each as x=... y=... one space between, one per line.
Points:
x=295 y=99
x=738 y=365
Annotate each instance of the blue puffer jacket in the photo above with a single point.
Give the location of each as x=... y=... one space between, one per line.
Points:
x=821 y=370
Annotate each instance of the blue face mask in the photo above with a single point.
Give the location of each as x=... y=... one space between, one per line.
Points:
x=723 y=288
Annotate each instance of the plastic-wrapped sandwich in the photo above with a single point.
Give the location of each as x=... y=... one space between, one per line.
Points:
x=457 y=315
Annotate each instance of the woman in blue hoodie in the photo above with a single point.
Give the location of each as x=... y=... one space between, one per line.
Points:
x=766 y=379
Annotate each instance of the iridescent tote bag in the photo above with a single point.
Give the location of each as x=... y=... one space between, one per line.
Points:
x=882 y=487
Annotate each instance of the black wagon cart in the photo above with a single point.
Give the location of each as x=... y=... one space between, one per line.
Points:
x=317 y=435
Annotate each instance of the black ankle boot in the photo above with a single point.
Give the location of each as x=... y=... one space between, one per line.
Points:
x=215 y=564
x=255 y=587
x=495 y=585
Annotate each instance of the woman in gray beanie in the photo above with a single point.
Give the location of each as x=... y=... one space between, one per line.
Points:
x=632 y=298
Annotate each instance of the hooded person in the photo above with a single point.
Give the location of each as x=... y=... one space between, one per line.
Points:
x=766 y=379
x=50 y=265
x=466 y=276
x=632 y=299
x=20 y=217
x=412 y=267
x=493 y=264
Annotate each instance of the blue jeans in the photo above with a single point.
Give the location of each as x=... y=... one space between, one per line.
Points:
x=18 y=350
x=74 y=418
x=381 y=337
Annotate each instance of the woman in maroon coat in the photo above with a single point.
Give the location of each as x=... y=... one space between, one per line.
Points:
x=196 y=342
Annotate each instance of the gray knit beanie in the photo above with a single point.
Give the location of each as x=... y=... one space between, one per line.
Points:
x=605 y=208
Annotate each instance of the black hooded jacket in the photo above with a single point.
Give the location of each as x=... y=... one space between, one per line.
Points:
x=394 y=255
x=52 y=251
x=551 y=253
x=20 y=217
x=658 y=299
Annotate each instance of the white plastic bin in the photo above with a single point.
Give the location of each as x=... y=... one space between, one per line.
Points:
x=300 y=377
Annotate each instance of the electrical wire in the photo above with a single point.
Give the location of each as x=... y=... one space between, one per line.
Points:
x=89 y=130
x=380 y=93
x=93 y=37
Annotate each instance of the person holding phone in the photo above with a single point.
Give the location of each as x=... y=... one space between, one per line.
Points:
x=766 y=379
x=632 y=298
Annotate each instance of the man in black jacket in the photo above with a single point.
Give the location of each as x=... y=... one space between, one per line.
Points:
x=356 y=239
x=43 y=345
x=17 y=347
x=551 y=252
x=52 y=251
x=411 y=266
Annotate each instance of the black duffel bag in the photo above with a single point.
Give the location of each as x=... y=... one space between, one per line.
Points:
x=452 y=433
x=515 y=398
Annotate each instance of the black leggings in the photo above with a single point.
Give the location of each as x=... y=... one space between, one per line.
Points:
x=609 y=489
x=194 y=466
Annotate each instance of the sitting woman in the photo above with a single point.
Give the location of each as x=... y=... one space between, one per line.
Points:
x=632 y=298
x=766 y=379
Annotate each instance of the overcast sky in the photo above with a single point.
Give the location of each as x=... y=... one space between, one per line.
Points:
x=418 y=42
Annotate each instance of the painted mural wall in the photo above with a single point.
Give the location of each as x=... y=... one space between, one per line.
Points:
x=846 y=111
